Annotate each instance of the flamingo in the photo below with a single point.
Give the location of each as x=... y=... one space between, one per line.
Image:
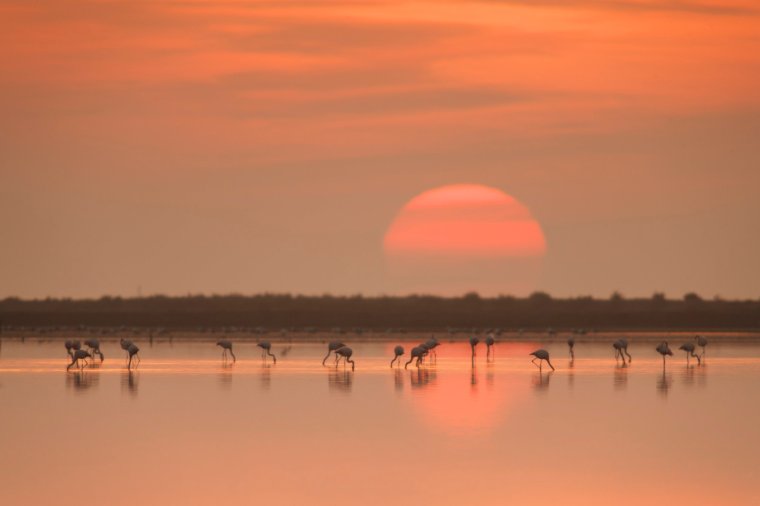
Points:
x=663 y=349
x=94 y=346
x=689 y=349
x=266 y=347
x=346 y=353
x=541 y=355
x=133 y=350
x=702 y=342
x=490 y=341
x=431 y=344
x=571 y=345
x=417 y=353
x=331 y=347
x=226 y=346
x=125 y=344
x=77 y=356
x=621 y=347
x=69 y=345
x=473 y=343
x=397 y=352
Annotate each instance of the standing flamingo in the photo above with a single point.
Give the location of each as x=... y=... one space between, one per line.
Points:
x=125 y=344
x=397 y=352
x=331 y=347
x=226 y=346
x=571 y=345
x=133 y=351
x=621 y=347
x=664 y=350
x=94 y=346
x=417 y=353
x=266 y=347
x=541 y=355
x=431 y=344
x=689 y=349
x=473 y=343
x=346 y=353
x=490 y=341
x=702 y=342
x=77 y=356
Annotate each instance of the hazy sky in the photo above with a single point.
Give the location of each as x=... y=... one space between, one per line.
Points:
x=212 y=146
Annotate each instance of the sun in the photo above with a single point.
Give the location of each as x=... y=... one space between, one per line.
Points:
x=464 y=237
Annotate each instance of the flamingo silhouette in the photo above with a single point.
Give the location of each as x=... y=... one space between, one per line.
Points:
x=473 y=343
x=571 y=345
x=331 y=347
x=345 y=352
x=77 y=356
x=689 y=349
x=417 y=353
x=94 y=346
x=621 y=347
x=266 y=347
x=397 y=352
x=490 y=341
x=125 y=344
x=431 y=344
x=702 y=342
x=541 y=355
x=133 y=351
x=664 y=350
x=226 y=346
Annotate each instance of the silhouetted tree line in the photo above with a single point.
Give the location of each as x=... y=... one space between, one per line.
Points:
x=297 y=312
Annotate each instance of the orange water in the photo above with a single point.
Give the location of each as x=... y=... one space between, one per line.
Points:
x=186 y=429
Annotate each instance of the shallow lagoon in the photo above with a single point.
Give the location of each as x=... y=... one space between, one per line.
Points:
x=184 y=428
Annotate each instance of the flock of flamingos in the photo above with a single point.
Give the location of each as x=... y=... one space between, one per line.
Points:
x=79 y=356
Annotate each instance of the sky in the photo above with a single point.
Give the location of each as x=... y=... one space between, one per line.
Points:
x=266 y=146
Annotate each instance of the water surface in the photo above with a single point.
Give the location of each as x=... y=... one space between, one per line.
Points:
x=184 y=428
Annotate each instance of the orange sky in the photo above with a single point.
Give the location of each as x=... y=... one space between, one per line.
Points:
x=199 y=146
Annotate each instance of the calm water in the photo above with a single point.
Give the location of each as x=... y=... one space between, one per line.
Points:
x=184 y=429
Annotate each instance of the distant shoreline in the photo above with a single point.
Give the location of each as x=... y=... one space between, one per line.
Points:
x=309 y=315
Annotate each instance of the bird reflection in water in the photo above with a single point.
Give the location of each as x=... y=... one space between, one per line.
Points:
x=541 y=380
x=571 y=372
x=340 y=380
x=81 y=380
x=225 y=375
x=664 y=382
x=489 y=374
x=266 y=376
x=398 y=379
x=620 y=379
x=129 y=382
x=695 y=375
x=421 y=378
